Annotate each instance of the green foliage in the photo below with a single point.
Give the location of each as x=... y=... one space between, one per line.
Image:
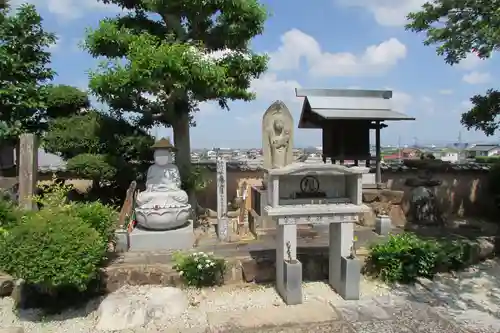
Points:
x=52 y=248
x=197 y=179
x=24 y=71
x=458 y=28
x=164 y=58
x=102 y=218
x=405 y=257
x=9 y=214
x=65 y=101
x=100 y=146
x=92 y=166
x=199 y=269
x=487 y=159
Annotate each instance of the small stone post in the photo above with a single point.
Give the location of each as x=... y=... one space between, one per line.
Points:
x=222 y=219
x=28 y=170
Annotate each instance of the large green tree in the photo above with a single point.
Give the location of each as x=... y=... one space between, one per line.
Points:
x=458 y=28
x=162 y=61
x=24 y=71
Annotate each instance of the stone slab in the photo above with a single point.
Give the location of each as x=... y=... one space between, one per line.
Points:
x=309 y=312
x=177 y=239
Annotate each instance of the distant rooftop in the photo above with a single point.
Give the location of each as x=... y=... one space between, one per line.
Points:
x=328 y=104
x=483 y=147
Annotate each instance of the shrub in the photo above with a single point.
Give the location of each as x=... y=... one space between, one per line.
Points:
x=101 y=217
x=52 y=249
x=199 y=269
x=9 y=213
x=405 y=257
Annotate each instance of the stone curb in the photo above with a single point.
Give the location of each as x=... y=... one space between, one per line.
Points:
x=313 y=311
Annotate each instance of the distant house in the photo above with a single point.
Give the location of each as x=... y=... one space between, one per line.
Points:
x=482 y=150
x=448 y=156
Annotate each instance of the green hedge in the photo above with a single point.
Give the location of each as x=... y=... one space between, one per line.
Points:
x=487 y=159
x=405 y=257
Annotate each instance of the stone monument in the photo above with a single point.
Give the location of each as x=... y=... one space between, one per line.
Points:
x=222 y=218
x=162 y=209
x=316 y=194
x=277 y=136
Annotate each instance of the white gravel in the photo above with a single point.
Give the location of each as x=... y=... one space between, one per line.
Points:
x=226 y=298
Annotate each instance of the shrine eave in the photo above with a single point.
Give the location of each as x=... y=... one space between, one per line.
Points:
x=346 y=104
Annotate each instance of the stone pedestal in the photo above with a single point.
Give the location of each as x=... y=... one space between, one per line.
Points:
x=292 y=282
x=340 y=239
x=383 y=225
x=176 y=239
x=122 y=240
x=288 y=268
x=350 y=276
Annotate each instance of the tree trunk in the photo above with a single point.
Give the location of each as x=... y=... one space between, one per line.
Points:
x=182 y=142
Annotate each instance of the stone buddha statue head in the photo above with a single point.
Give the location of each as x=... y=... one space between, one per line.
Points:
x=163 y=152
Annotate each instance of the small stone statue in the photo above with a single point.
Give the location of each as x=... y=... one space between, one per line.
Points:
x=163 y=205
x=277 y=136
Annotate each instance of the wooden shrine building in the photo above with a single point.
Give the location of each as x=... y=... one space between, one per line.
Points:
x=346 y=117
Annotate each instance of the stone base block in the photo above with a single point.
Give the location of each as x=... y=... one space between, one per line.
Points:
x=122 y=240
x=223 y=226
x=176 y=239
x=292 y=284
x=383 y=225
x=350 y=278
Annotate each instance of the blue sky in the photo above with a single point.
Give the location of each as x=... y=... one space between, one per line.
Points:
x=324 y=44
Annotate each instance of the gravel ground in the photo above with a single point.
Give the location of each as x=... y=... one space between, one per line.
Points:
x=226 y=298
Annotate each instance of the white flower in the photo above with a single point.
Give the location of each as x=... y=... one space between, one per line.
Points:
x=204 y=254
x=208 y=261
x=200 y=266
x=212 y=264
x=181 y=272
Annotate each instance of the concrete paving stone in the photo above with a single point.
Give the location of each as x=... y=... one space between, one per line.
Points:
x=410 y=309
x=386 y=326
x=390 y=300
x=433 y=324
x=363 y=311
x=313 y=311
x=328 y=327
x=475 y=321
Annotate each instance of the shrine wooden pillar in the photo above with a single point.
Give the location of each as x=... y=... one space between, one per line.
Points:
x=378 y=172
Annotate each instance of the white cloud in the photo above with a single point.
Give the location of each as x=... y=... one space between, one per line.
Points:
x=470 y=62
x=268 y=89
x=445 y=92
x=387 y=12
x=401 y=101
x=68 y=9
x=477 y=77
x=297 y=45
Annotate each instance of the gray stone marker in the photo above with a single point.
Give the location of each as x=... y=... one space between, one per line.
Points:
x=222 y=219
x=28 y=170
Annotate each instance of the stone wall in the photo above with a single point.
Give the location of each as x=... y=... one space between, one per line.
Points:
x=462 y=192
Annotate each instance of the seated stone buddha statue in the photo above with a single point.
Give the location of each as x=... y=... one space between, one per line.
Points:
x=163 y=204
